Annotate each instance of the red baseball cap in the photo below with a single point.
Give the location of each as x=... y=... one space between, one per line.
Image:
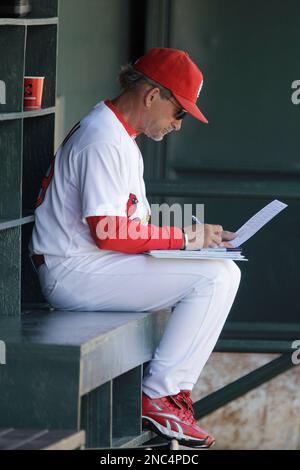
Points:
x=174 y=70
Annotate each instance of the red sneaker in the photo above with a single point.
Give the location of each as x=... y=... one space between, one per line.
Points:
x=172 y=418
x=185 y=397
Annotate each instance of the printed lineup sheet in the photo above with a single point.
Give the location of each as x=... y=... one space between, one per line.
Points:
x=257 y=222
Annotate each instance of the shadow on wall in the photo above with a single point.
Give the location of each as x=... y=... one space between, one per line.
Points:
x=93 y=42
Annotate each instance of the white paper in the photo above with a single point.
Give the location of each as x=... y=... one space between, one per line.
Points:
x=257 y=222
x=196 y=254
x=243 y=234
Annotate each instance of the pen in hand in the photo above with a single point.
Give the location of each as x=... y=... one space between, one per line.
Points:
x=195 y=220
x=227 y=236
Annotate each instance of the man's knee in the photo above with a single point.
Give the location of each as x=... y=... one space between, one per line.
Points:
x=227 y=273
x=234 y=272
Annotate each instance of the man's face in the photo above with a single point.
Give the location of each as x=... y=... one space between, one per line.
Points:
x=162 y=116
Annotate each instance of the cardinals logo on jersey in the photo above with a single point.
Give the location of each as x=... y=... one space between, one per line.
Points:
x=131 y=204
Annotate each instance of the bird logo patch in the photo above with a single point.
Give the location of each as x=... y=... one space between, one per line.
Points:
x=131 y=204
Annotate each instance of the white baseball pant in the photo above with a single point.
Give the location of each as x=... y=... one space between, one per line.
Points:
x=202 y=291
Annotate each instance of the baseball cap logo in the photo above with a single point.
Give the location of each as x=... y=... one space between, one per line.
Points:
x=200 y=88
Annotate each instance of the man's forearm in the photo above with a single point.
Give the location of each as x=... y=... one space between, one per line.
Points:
x=130 y=236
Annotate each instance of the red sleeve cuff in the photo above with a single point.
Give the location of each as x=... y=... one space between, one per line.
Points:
x=120 y=237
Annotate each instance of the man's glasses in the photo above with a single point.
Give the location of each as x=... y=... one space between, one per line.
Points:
x=180 y=113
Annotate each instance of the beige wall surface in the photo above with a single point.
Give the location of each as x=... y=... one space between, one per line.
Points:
x=266 y=418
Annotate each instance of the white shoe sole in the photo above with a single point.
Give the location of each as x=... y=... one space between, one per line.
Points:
x=170 y=434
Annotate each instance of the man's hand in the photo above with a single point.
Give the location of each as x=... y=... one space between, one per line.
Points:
x=226 y=237
x=208 y=236
x=203 y=236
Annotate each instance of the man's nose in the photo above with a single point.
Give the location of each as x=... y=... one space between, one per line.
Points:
x=176 y=124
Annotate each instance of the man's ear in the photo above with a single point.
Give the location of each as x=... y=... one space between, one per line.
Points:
x=151 y=96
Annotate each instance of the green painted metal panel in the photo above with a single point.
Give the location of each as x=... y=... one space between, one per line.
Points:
x=39 y=391
x=38 y=148
x=244 y=50
x=38 y=143
x=41 y=58
x=10 y=272
x=96 y=416
x=10 y=168
x=252 y=330
x=207 y=185
x=254 y=346
x=127 y=403
x=30 y=286
x=12 y=67
x=43 y=8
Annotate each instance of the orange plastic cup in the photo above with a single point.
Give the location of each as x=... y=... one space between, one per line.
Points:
x=33 y=92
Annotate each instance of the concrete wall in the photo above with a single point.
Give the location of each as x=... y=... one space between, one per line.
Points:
x=93 y=41
x=266 y=418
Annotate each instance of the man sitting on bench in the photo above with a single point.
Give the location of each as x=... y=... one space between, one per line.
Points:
x=93 y=201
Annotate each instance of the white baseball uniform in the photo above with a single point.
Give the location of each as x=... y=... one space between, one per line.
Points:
x=94 y=171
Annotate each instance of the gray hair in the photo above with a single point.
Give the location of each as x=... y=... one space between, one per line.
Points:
x=129 y=79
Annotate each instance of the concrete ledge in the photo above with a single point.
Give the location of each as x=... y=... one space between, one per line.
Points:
x=56 y=359
x=103 y=344
x=41 y=439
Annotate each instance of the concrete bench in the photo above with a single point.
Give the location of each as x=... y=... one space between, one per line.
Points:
x=78 y=370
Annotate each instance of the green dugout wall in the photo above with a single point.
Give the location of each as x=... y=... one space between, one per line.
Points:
x=248 y=154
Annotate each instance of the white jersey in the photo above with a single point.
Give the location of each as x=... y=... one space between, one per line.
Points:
x=98 y=170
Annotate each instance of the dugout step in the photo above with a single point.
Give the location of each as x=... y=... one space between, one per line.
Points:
x=41 y=439
x=76 y=370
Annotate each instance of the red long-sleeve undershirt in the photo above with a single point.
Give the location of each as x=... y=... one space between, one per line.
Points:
x=115 y=233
